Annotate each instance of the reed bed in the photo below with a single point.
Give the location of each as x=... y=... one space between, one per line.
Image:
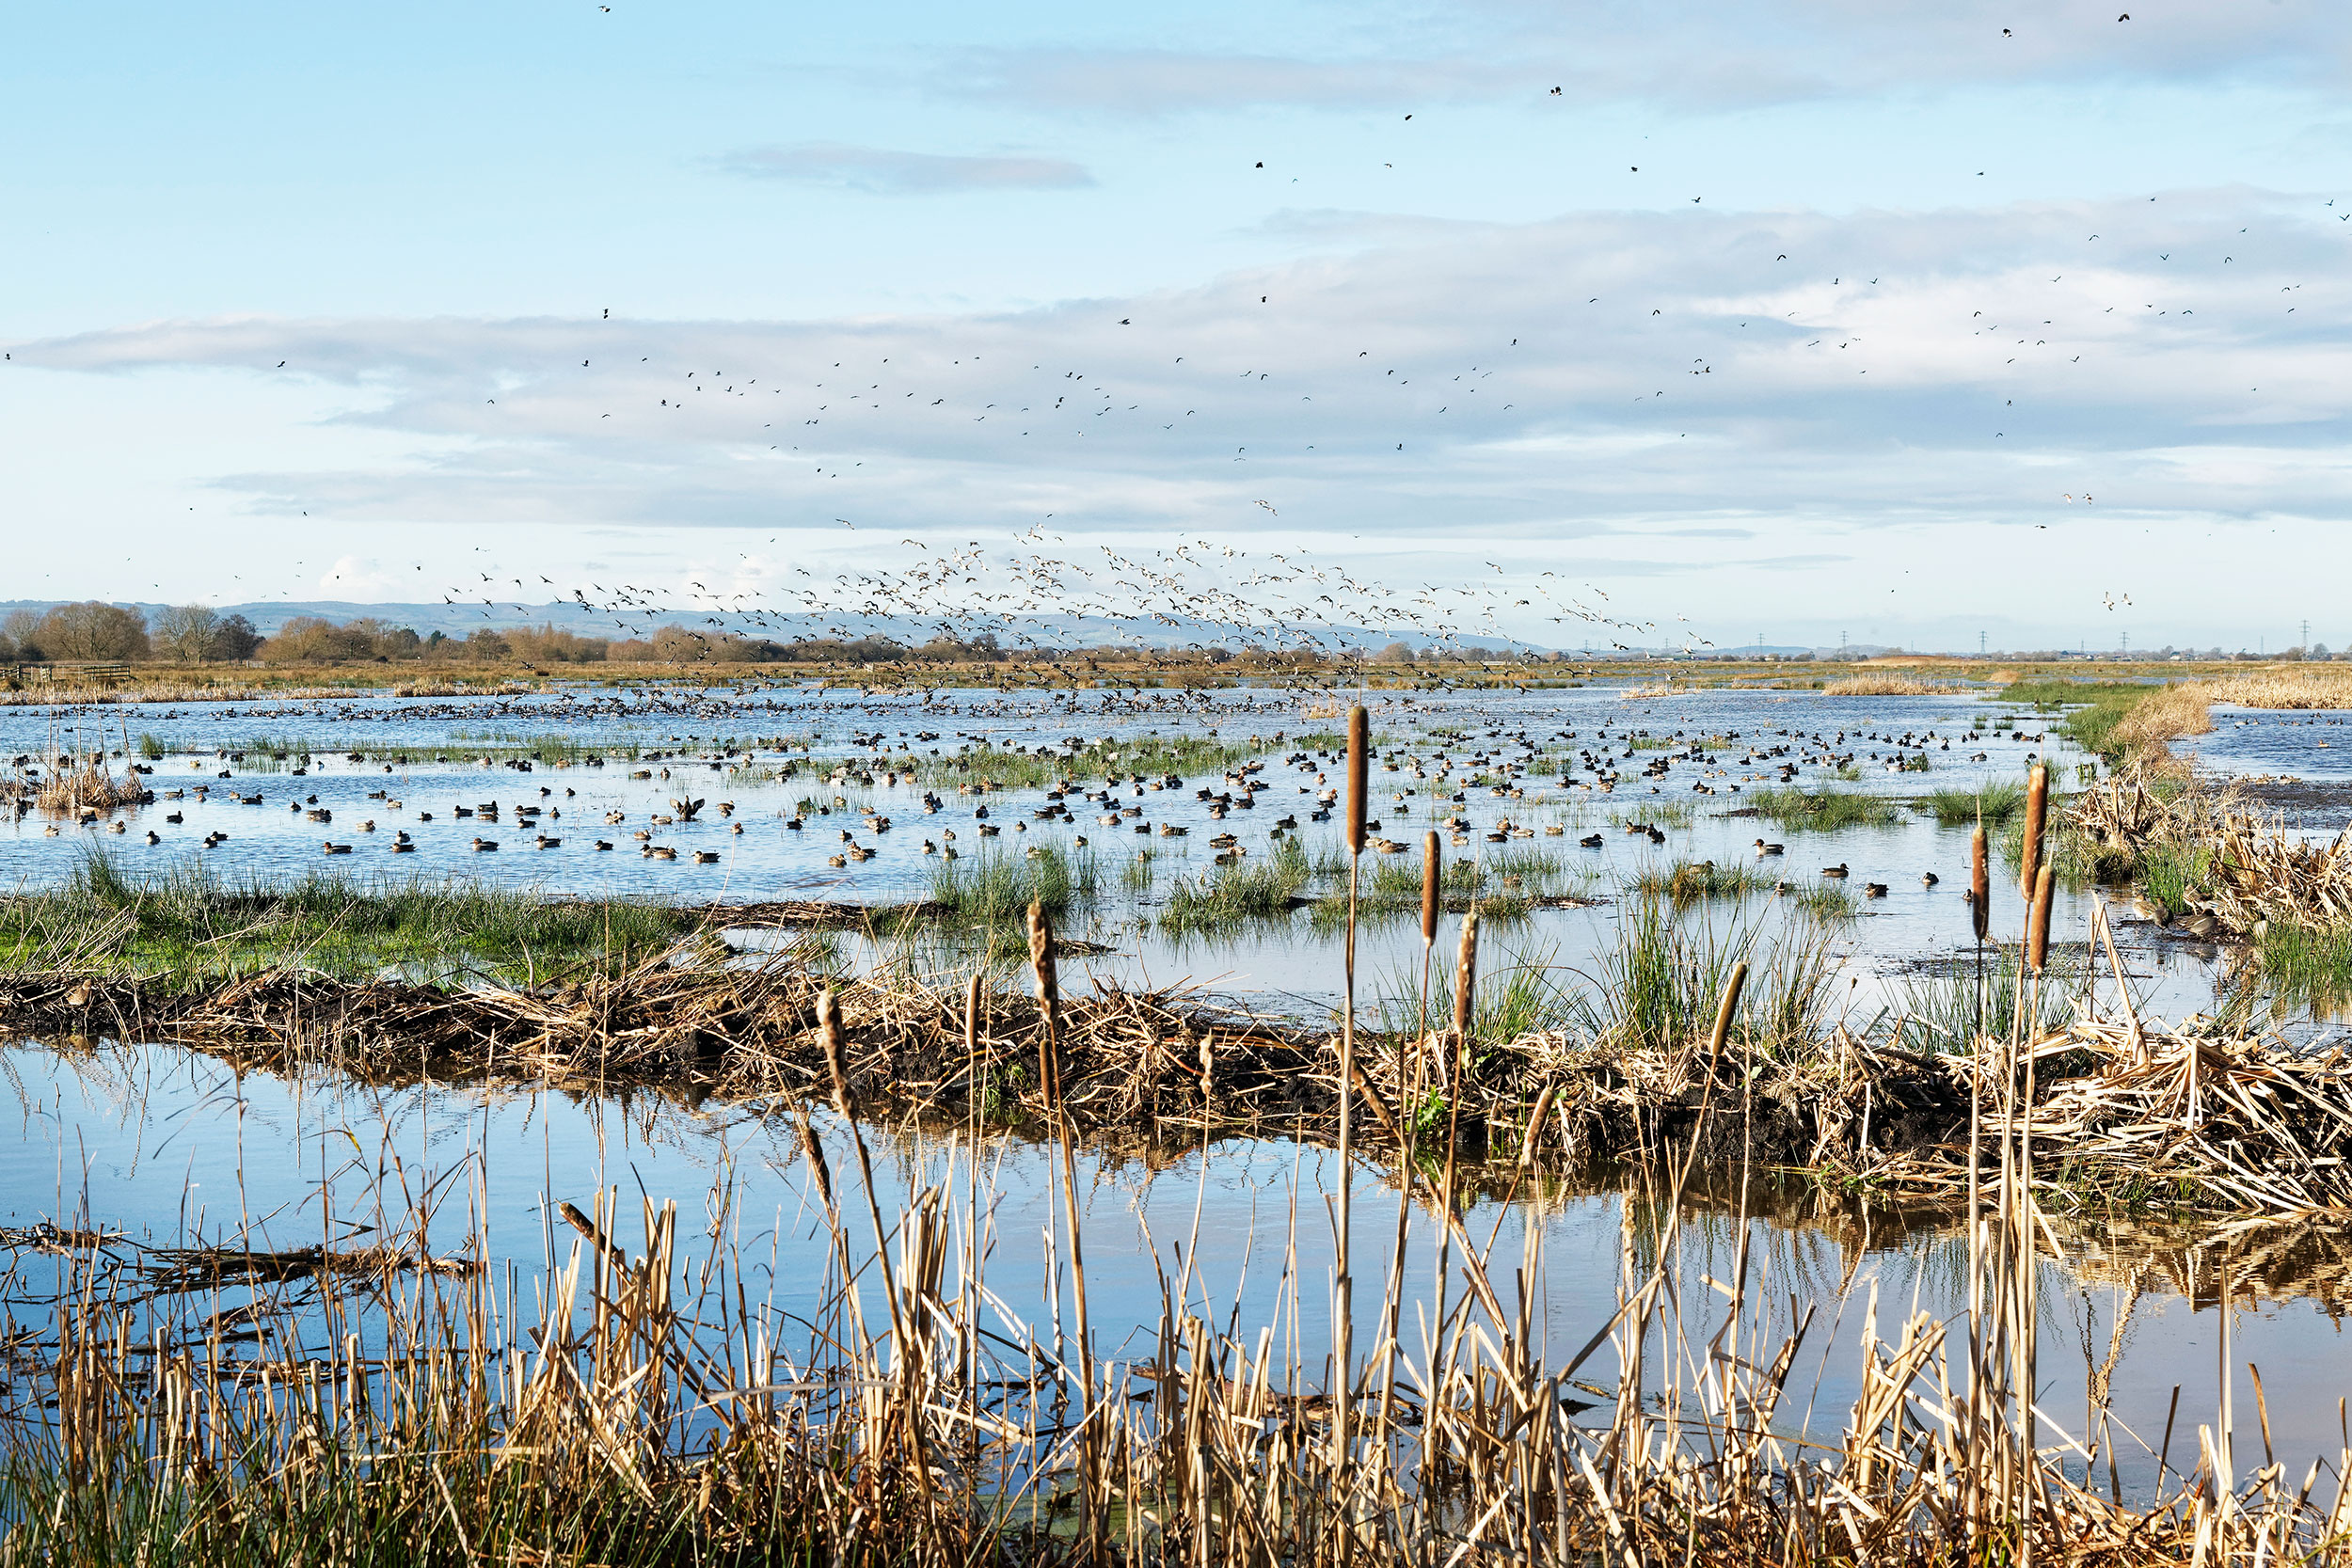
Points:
x=1870 y=685
x=641 y=1402
x=70 y=787
x=2214 y=865
x=2283 y=686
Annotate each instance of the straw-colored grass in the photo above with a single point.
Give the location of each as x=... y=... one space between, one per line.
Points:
x=1878 y=685
x=2283 y=686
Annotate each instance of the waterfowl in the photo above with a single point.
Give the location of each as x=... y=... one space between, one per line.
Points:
x=839 y=861
x=706 y=857
x=1874 y=890
x=483 y=845
x=1838 y=870
x=1590 y=841
x=604 y=844
x=1928 y=878
x=152 y=837
x=339 y=848
x=544 y=841
x=402 y=846
x=1764 y=848
x=174 y=818
x=660 y=852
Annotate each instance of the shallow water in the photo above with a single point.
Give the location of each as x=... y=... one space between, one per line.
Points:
x=1287 y=961
x=164 y=1144
x=168 y=1145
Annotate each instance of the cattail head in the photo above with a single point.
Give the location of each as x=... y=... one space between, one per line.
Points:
x=836 y=1047
x=1430 y=869
x=2037 y=809
x=1041 y=957
x=1466 y=975
x=2038 y=928
x=1979 y=884
x=1358 y=775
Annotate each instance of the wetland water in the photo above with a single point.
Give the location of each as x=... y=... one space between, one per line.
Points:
x=154 y=1141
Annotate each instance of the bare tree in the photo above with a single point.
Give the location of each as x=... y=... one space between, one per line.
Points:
x=23 y=631
x=93 y=630
x=190 y=633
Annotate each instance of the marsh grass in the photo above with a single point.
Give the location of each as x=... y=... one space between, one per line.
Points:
x=190 y=927
x=995 y=888
x=1946 y=1008
x=1688 y=880
x=1823 y=810
x=2174 y=871
x=1992 y=803
x=1012 y=767
x=1226 y=898
x=1657 y=984
x=1665 y=814
x=2298 y=967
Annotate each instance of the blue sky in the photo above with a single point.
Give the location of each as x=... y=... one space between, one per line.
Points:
x=427 y=212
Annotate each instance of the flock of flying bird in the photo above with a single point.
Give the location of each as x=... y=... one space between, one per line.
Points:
x=837 y=419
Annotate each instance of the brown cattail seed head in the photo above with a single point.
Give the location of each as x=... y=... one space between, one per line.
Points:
x=2038 y=930
x=1042 y=955
x=2037 y=809
x=1430 y=878
x=836 y=1047
x=1979 y=884
x=1466 y=975
x=1358 y=774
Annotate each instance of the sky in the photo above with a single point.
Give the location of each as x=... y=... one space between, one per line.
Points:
x=1777 y=320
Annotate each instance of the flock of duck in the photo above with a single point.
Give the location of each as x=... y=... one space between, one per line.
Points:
x=1477 y=775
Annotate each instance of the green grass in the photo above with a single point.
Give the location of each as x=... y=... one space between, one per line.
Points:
x=1823 y=810
x=2098 y=707
x=1994 y=803
x=1944 y=1011
x=1687 y=880
x=1233 y=895
x=2301 y=968
x=187 y=927
x=996 y=887
x=1659 y=984
x=2174 y=872
x=1010 y=767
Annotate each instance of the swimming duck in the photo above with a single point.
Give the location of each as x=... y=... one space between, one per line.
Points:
x=1928 y=878
x=1764 y=848
x=1838 y=870
x=1874 y=890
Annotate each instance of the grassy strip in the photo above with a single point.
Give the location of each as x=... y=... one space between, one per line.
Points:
x=1823 y=810
x=997 y=887
x=1994 y=803
x=190 y=927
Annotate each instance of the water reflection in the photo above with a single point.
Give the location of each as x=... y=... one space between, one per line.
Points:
x=165 y=1146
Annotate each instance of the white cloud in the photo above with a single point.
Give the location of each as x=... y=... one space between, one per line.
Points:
x=1610 y=395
